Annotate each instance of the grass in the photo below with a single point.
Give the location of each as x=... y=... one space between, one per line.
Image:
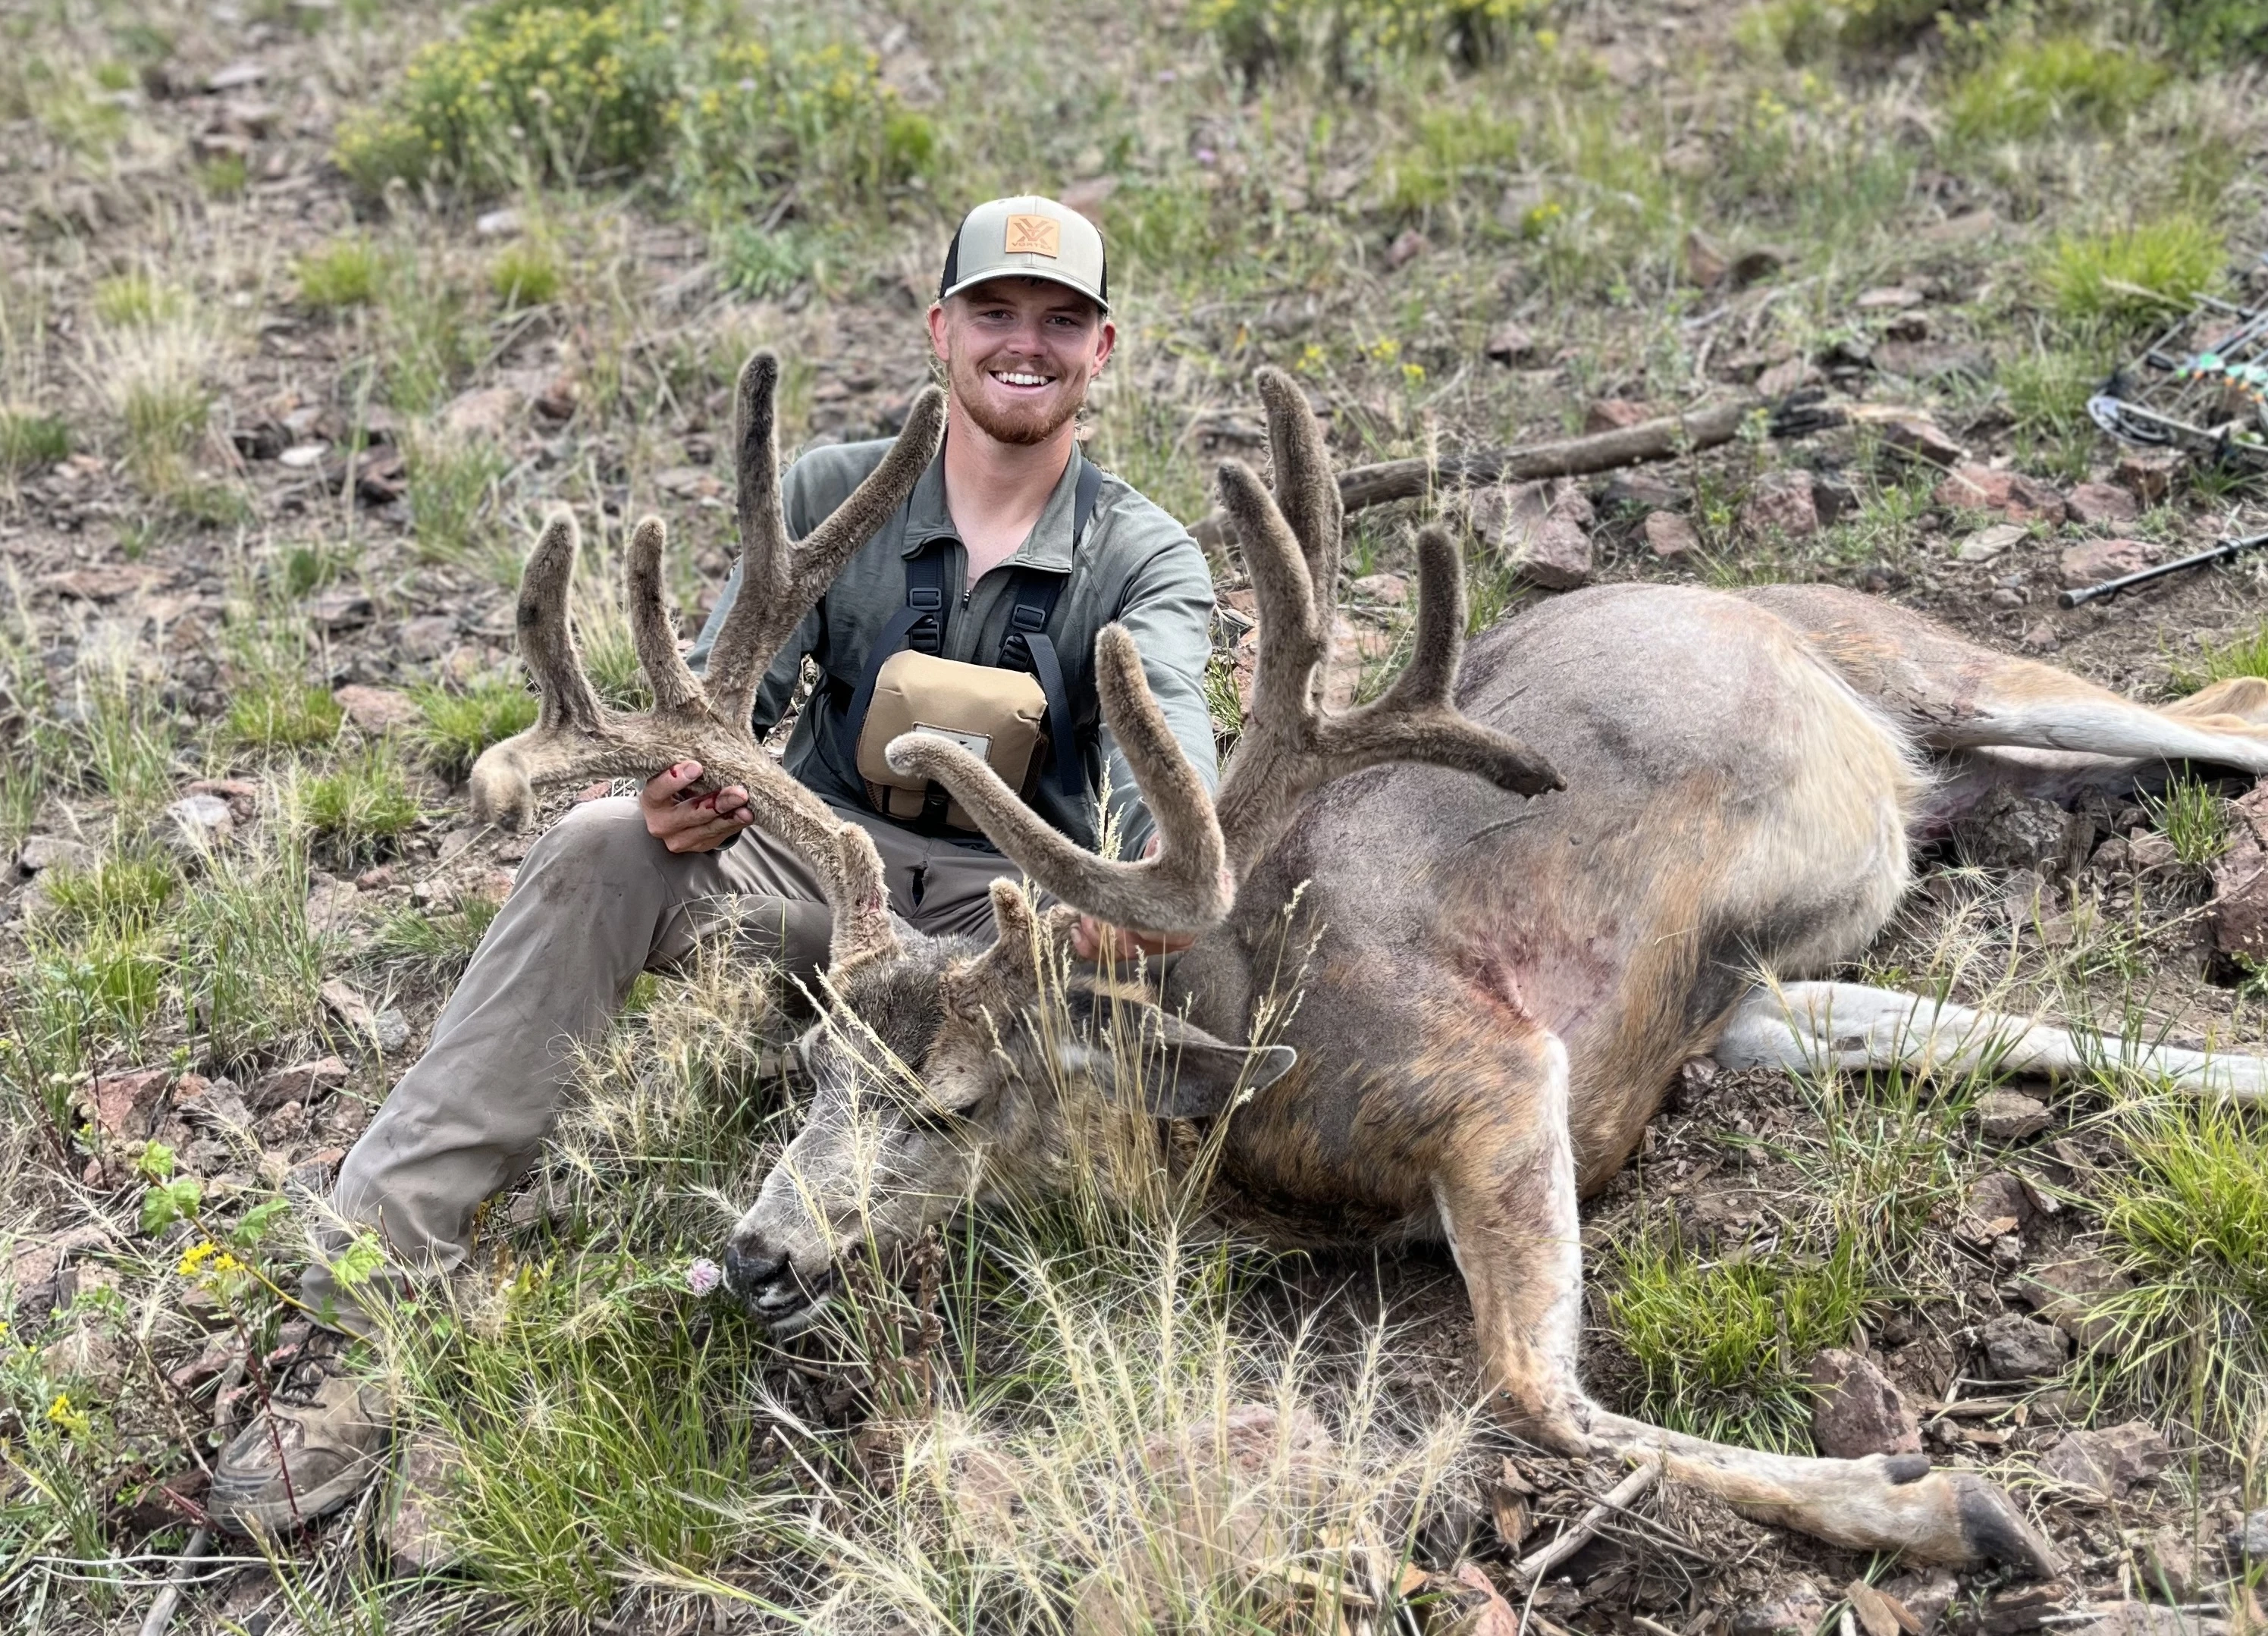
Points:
x=276 y=710
x=2032 y=87
x=451 y=495
x=2243 y=655
x=2192 y=815
x=2133 y=274
x=345 y=272
x=455 y=726
x=525 y=274
x=435 y=946
x=2186 y=1219
x=30 y=440
x=1725 y=1346
x=357 y=807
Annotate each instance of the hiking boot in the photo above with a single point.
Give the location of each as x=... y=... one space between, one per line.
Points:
x=315 y=1447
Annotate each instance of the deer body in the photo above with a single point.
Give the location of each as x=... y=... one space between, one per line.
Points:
x=1514 y=893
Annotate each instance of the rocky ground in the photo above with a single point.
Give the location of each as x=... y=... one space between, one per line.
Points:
x=260 y=617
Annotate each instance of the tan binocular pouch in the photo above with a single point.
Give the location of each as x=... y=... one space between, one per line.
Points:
x=998 y=715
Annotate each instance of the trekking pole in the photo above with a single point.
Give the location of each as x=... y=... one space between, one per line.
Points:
x=2220 y=551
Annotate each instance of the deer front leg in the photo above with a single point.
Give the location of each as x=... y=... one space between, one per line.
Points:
x=1507 y=1201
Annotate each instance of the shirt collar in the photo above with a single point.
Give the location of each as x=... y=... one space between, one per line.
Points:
x=1049 y=545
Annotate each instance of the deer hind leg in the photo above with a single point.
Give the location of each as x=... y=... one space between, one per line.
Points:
x=1508 y=1201
x=1950 y=694
x=1814 y=1028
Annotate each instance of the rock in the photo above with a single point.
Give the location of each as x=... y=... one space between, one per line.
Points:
x=1987 y=543
x=1613 y=414
x=2148 y=476
x=491 y=413
x=1888 y=298
x=88 y=1358
x=1484 y=1612
x=2169 y=1564
x=237 y=76
x=1789 y=375
x=201 y=823
x=2247 y=1541
x=2238 y=911
x=330 y=906
x=1916 y=438
x=2098 y=505
x=1640 y=490
x=1408 y=246
x=340 y=611
x=1391 y=589
x=39 y=1274
x=1753 y=266
x=1087 y=196
x=1780 y=505
x=1669 y=536
x=2018 y=1349
x=2144 y=1619
x=2011 y=1116
x=215 y=1103
x=391 y=1029
x=1996 y=1204
x=53 y=851
x=416 y=1530
x=1926 y=1593
x=2008 y=831
x=1856 y=1411
x=1834 y=497
x=2067 y=1292
x=241 y=794
x=1797 y=1611
x=1931 y=360
x=1508 y=344
x=340 y=998
x=102 y=582
x=2092 y=561
x=302 y=1082
x=124 y=1106
x=1879 y=1613
x=2019 y=499
x=376 y=709
x=502 y=223
x=1558 y=556
x=2022 y=1608
x=2109 y=1461
x=428 y=636
x=1705 y=264
x=313 y=1175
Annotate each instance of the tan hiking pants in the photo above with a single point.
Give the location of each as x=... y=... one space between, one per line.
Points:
x=598 y=901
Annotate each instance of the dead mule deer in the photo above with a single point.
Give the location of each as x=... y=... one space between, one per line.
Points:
x=1500 y=987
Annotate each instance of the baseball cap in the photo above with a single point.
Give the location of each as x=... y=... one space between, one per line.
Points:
x=1026 y=237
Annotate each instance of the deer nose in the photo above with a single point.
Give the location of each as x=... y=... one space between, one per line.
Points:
x=748 y=1276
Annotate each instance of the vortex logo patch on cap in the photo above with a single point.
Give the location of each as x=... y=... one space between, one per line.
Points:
x=1035 y=235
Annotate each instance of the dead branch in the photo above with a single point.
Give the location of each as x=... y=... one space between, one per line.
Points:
x=1532 y=1569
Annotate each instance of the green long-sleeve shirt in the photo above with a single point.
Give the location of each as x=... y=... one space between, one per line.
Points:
x=1137 y=567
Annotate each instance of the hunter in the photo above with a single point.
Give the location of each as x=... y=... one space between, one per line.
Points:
x=973 y=612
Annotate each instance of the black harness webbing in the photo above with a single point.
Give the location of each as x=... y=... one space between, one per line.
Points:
x=920 y=625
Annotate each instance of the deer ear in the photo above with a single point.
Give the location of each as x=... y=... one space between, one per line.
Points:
x=1187 y=1074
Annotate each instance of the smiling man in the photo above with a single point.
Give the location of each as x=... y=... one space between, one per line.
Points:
x=974 y=611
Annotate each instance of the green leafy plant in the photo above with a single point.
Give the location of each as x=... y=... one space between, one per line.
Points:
x=524 y=275
x=361 y=802
x=30 y=440
x=2192 y=816
x=454 y=727
x=276 y=710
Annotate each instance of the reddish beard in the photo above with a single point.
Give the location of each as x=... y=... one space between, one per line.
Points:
x=1023 y=424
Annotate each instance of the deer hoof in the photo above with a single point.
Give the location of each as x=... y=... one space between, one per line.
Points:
x=1996 y=1531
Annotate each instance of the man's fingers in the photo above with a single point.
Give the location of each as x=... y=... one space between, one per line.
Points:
x=666 y=785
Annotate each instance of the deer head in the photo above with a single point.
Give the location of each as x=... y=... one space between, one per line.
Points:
x=938 y=1070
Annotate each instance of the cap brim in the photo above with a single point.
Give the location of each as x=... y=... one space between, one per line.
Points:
x=989 y=274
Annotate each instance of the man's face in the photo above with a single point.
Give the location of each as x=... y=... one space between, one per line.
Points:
x=1019 y=353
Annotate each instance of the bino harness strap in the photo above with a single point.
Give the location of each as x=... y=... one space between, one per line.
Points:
x=918 y=627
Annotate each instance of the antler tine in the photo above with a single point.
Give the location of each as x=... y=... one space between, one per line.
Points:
x=779 y=582
x=546 y=642
x=652 y=629
x=1307 y=489
x=1291 y=745
x=1182 y=888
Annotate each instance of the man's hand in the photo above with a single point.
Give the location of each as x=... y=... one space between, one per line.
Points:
x=701 y=824
x=1095 y=940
